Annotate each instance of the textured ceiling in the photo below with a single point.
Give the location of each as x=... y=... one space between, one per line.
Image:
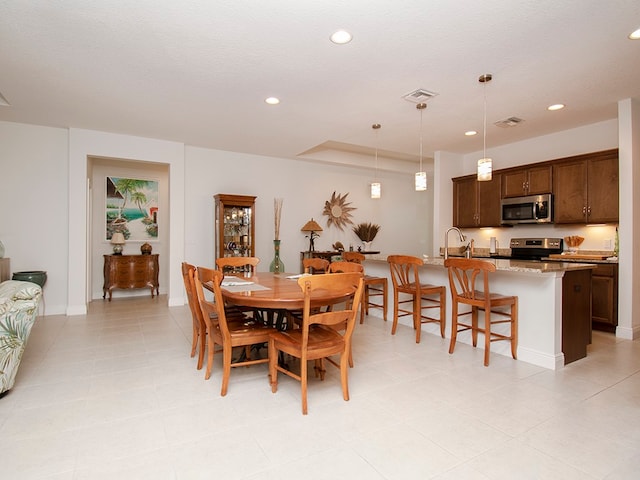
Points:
x=198 y=71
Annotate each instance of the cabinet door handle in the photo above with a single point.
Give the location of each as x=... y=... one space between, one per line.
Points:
x=584 y=210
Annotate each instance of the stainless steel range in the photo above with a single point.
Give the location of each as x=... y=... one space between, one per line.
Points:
x=534 y=248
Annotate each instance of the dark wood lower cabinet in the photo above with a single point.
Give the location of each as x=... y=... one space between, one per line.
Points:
x=604 y=297
x=130 y=271
x=576 y=314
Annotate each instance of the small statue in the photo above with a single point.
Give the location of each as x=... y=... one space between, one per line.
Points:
x=312 y=236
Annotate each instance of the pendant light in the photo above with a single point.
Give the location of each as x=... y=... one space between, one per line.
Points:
x=375 y=186
x=485 y=165
x=421 y=176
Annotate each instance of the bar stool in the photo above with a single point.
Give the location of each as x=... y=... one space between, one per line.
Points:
x=373 y=287
x=463 y=274
x=406 y=280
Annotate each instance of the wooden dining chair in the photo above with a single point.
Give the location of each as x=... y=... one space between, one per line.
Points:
x=199 y=325
x=345 y=267
x=424 y=297
x=322 y=335
x=315 y=265
x=464 y=275
x=199 y=337
x=237 y=264
x=225 y=333
x=373 y=287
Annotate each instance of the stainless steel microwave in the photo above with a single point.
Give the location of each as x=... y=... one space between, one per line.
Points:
x=530 y=209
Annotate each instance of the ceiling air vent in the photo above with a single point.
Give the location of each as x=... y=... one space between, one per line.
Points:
x=419 y=96
x=509 y=122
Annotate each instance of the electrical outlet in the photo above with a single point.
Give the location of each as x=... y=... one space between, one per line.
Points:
x=608 y=244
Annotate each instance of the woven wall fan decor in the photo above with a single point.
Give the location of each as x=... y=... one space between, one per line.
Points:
x=338 y=211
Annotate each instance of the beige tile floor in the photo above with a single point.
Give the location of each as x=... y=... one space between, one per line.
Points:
x=114 y=394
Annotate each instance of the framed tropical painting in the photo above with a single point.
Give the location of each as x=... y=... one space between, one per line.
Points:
x=132 y=208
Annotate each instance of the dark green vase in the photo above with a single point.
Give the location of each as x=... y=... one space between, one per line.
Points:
x=276 y=265
x=39 y=277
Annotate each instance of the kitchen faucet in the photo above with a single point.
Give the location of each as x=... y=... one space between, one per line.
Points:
x=446 y=240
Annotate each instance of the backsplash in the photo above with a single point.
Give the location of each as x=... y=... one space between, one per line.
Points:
x=598 y=239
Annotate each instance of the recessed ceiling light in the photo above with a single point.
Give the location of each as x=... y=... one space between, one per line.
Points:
x=635 y=35
x=341 y=37
x=272 y=101
x=470 y=133
x=556 y=106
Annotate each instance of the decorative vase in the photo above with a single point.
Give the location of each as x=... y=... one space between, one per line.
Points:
x=367 y=246
x=146 y=249
x=276 y=265
x=39 y=277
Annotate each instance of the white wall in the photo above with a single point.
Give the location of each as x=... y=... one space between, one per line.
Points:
x=404 y=215
x=446 y=166
x=45 y=172
x=99 y=170
x=53 y=163
x=84 y=144
x=629 y=284
x=590 y=138
x=33 y=205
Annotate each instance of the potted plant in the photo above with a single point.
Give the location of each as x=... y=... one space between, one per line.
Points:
x=366 y=232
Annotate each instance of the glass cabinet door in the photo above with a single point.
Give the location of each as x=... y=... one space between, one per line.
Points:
x=234 y=225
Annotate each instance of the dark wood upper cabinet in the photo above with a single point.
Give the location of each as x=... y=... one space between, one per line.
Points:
x=476 y=204
x=465 y=194
x=527 y=181
x=586 y=188
x=489 y=202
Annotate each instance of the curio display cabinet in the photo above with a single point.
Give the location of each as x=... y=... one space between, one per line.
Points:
x=234 y=225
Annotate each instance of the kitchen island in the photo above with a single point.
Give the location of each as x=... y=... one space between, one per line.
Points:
x=554 y=306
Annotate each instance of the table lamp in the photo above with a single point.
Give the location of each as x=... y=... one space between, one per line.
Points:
x=117 y=240
x=312 y=227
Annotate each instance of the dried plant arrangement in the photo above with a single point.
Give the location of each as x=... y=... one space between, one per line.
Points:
x=366 y=231
x=277 y=212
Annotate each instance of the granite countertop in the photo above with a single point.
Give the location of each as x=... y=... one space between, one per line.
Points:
x=527 y=266
x=568 y=259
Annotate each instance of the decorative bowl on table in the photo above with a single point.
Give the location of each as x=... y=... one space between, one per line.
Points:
x=573 y=243
x=39 y=277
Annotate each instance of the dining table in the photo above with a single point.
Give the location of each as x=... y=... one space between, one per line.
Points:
x=273 y=296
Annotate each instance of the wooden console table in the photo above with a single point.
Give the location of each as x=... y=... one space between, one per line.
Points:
x=326 y=255
x=130 y=271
